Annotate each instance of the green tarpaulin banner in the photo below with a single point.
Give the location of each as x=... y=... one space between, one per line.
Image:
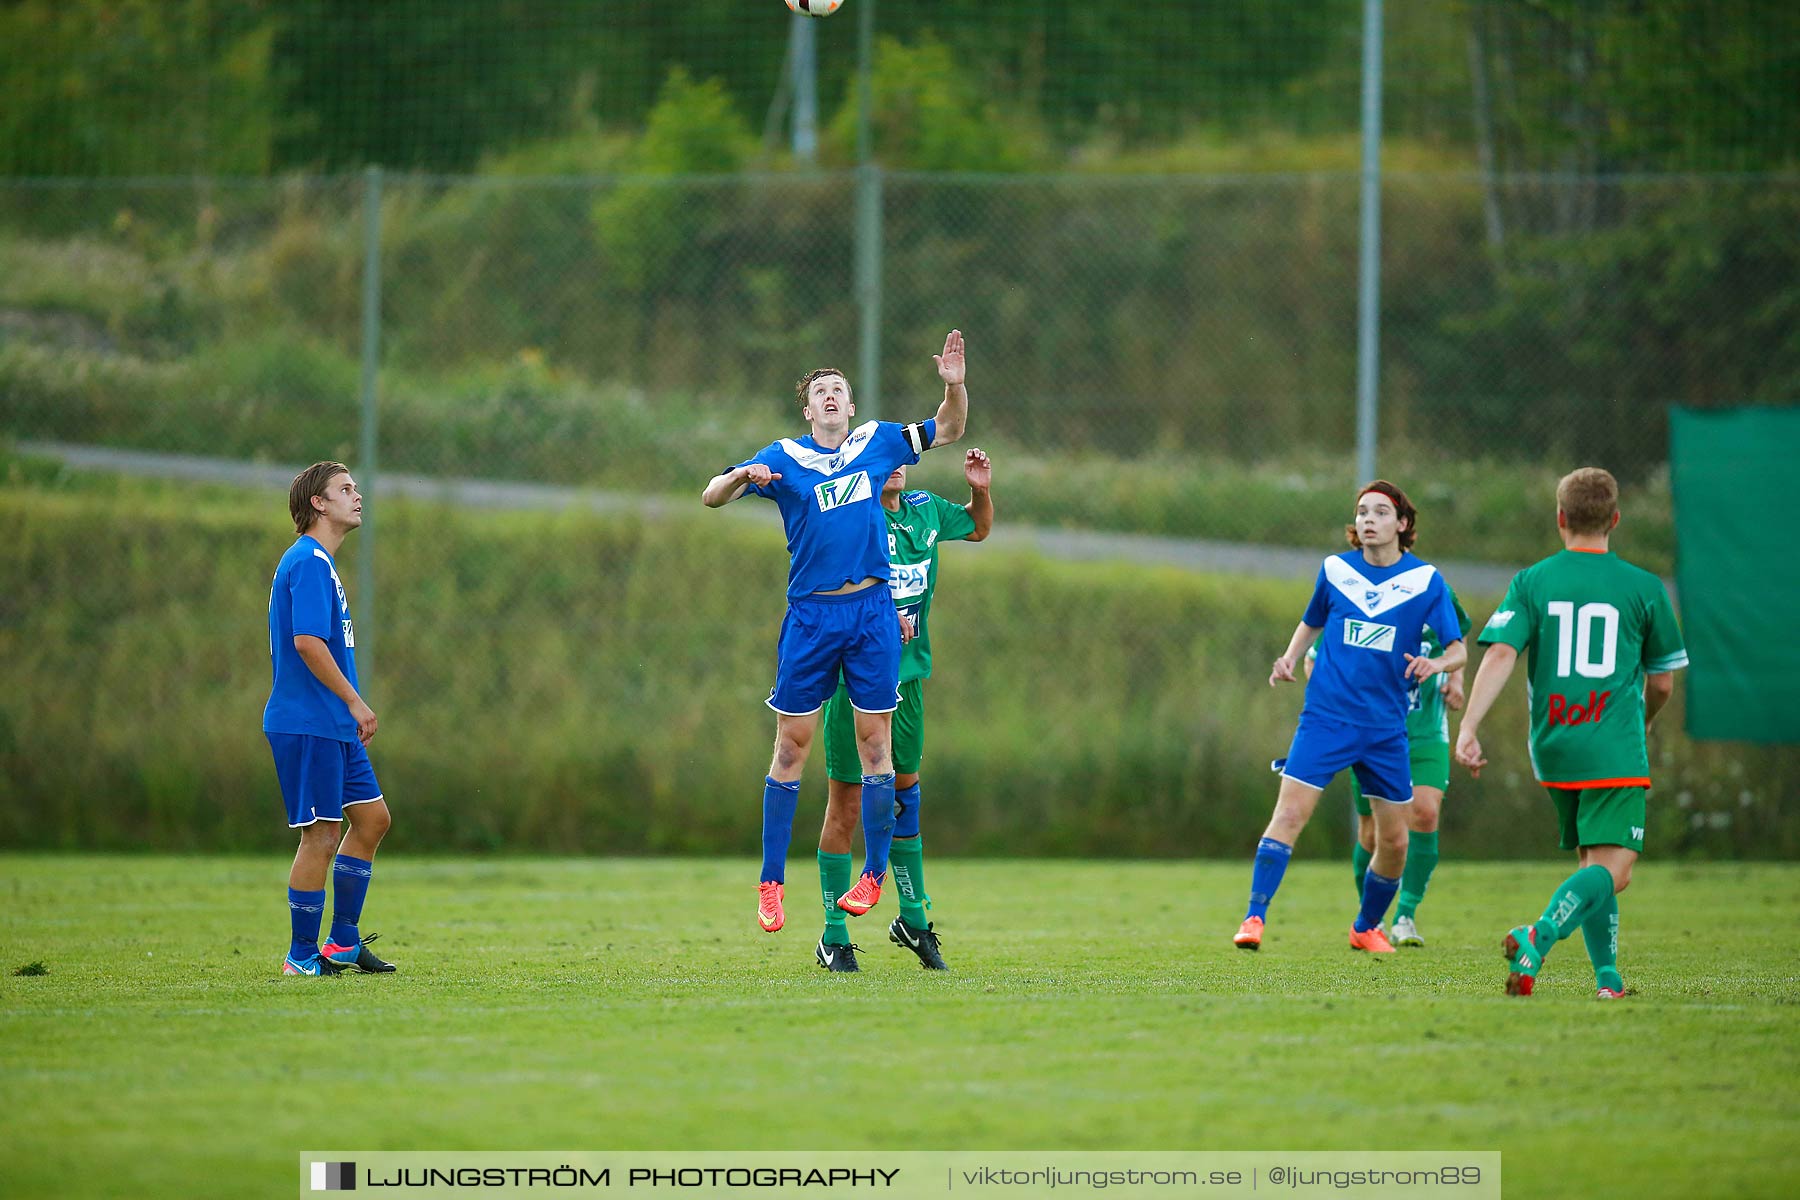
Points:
x=1736 y=481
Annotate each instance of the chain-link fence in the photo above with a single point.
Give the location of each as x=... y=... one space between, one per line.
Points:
x=1169 y=356
x=596 y=262
x=1166 y=355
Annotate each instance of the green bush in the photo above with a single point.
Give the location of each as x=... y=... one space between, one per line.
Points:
x=931 y=113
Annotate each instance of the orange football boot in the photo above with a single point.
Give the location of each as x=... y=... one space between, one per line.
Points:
x=864 y=896
x=768 y=906
x=1372 y=940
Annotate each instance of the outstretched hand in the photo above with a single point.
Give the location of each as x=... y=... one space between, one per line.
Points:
x=1419 y=667
x=977 y=470
x=1283 y=671
x=950 y=366
x=760 y=475
x=1468 y=751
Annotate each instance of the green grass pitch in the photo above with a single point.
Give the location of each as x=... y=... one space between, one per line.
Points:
x=632 y=1004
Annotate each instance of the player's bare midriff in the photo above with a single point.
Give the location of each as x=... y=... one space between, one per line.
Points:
x=850 y=587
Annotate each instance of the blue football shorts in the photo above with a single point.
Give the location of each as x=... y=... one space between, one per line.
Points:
x=1379 y=758
x=321 y=777
x=856 y=634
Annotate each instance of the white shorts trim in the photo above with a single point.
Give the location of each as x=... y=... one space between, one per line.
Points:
x=873 y=712
x=1385 y=800
x=1303 y=783
x=784 y=712
x=346 y=804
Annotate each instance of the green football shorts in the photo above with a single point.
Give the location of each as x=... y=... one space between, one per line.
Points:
x=1430 y=768
x=1601 y=816
x=843 y=764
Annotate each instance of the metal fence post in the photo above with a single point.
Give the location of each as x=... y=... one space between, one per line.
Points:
x=868 y=223
x=803 y=57
x=1368 y=284
x=371 y=364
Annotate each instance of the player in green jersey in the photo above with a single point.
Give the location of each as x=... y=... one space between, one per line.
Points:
x=917 y=522
x=1602 y=647
x=1428 y=743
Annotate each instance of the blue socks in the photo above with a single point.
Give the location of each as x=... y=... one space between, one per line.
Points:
x=878 y=821
x=906 y=812
x=1271 y=864
x=306 y=912
x=1378 y=893
x=1265 y=877
x=349 y=884
x=780 y=802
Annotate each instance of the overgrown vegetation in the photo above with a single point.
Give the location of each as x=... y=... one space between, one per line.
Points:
x=585 y=683
x=96 y=87
x=1135 y=317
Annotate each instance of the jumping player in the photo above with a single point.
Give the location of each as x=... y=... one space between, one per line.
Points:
x=839 y=619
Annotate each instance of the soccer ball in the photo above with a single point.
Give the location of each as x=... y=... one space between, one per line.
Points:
x=815 y=8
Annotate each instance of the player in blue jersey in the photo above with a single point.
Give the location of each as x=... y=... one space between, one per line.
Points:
x=1370 y=604
x=840 y=618
x=318 y=727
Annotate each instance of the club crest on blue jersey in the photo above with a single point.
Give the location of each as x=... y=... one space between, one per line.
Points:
x=849 y=450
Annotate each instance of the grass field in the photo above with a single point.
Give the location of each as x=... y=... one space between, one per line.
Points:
x=630 y=1004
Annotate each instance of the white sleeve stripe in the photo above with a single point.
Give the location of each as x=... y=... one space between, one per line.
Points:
x=1669 y=662
x=915 y=437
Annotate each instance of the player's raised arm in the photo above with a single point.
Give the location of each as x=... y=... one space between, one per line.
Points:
x=727 y=486
x=953 y=413
x=979 y=474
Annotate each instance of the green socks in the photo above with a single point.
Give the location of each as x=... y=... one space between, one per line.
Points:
x=1584 y=894
x=906 y=862
x=1359 y=865
x=1421 y=861
x=835 y=878
x=1601 y=932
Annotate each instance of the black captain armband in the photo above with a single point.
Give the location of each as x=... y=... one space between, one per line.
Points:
x=915 y=437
